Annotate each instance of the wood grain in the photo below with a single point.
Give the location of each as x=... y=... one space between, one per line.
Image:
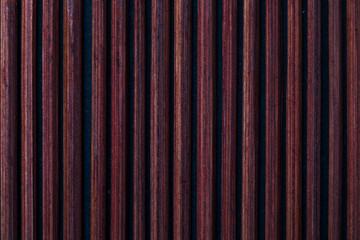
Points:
x=139 y=121
x=353 y=95
x=293 y=121
x=72 y=120
x=335 y=122
x=313 y=120
x=119 y=120
x=273 y=120
x=206 y=77
x=182 y=118
x=28 y=131
x=98 y=121
x=9 y=158
x=250 y=124
x=229 y=97
x=50 y=119
x=159 y=121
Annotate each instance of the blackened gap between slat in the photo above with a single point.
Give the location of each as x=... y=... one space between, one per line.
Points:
x=108 y=120
x=86 y=118
x=262 y=121
x=304 y=67
x=239 y=116
x=283 y=70
x=324 y=122
x=171 y=122
x=38 y=121
x=61 y=119
x=147 y=114
x=344 y=124
x=193 y=167
x=217 y=120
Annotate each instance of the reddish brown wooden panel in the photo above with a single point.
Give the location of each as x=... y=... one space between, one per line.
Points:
x=335 y=123
x=205 y=118
x=72 y=120
x=98 y=120
x=293 y=121
x=228 y=145
x=273 y=120
x=159 y=122
x=353 y=111
x=313 y=120
x=28 y=156
x=50 y=120
x=250 y=127
x=9 y=157
x=139 y=121
x=182 y=117
x=119 y=120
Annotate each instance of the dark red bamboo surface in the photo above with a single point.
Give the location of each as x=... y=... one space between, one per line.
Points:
x=179 y=119
x=273 y=121
x=72 y=120
x=293 y=122
x=50 y=120
x=250 y=125
x=159 y=122
x=335 y=121
x=9 y=156
x=206 y=77
x=313 y=121
x=98 y=121
x=353 y=94
x=28 y=130
x=120 y=115
x=182 y=119
x=139 y=163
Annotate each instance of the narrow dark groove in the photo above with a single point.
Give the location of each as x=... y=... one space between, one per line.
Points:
x=262 y=121
x=147 y=114
x=283 y=70
x=324 y=145
x=217 y=121
x=239 y=116
x=304 y=67
x=18 y=109
x=193 y=175
x=38 y=121
x=86 y=118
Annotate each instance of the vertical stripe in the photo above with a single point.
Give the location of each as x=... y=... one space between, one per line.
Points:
x=293 y=122
x=273 y=120
x=139 y=121
x=50 y=118
x=228 y=145
x=335 y=123
x=206 y=76
x=28 y=119
x=313 y=120
x=119 y=120
x=182 y=111
x=353 y=95
x=98 y=120
x=9 y=158
x=159 y=133
x=72 y=120
x=250 y=127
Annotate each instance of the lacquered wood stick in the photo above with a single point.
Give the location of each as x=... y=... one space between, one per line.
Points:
x=72 y=120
